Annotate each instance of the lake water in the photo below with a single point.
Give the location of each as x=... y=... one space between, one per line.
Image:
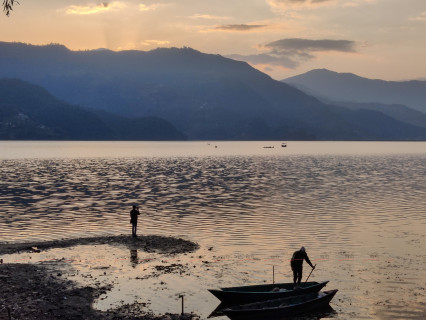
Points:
x=359 y=208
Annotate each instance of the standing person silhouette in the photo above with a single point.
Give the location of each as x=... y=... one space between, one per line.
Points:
x=134 y=220
x=297 y=265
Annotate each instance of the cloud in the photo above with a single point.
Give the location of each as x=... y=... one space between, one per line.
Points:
x=420 y=17
x=290 y=53
x=94 y=8
x=240 y=27
x=297 y=46
x=155 y=6
x=307 y=4
x=208 y=17
x=155 y=42
x=356 y=3
x=294 y=4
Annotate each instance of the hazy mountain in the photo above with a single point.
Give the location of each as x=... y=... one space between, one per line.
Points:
x=396 y=111
x=370 y=123
x=204 y=96
x=29 y=112
x=352 y=88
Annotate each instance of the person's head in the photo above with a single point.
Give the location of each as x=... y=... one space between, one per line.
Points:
x=303 y=249
x=134 y=207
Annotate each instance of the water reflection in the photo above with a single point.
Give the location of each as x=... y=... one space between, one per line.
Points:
x=322 y=313
x=134 y=257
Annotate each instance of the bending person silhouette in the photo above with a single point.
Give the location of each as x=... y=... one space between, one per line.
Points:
x=297 y=265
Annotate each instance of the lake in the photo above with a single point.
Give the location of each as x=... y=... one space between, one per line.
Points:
x=359 y=208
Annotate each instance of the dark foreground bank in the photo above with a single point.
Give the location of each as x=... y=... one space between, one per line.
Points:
x=36 y=292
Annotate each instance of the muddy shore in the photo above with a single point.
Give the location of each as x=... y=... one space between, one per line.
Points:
x=33 y=291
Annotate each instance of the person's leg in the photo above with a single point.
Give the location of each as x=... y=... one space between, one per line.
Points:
x=299 y=275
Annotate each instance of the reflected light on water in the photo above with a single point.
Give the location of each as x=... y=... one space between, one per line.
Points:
x=113 y=149
x=358 y=208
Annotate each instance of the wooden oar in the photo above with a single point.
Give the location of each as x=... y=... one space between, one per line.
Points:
x=310 y=273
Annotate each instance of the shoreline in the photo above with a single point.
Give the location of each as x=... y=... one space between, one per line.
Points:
x=34 y=291
x=151 y=243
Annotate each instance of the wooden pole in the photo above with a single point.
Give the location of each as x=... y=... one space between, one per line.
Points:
x=181 y=296
x=310 y=273
x=273 y=274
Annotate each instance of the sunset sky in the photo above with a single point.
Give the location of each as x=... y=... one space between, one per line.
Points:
x=384 y=39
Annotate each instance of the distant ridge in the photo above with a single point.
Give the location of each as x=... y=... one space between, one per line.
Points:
x=352 y=88
x=203 y=96
x=29 y=112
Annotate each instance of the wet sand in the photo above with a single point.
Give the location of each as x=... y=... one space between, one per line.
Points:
x=35 y=291
x=124 y=278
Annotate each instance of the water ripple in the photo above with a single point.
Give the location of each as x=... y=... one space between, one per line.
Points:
x=229 y=199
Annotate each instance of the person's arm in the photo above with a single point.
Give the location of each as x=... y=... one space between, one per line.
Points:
x=309 y=261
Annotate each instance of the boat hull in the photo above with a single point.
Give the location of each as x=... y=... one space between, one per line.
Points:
x=281 y=308
x=247 y=294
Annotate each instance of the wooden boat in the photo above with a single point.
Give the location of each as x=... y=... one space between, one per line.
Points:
x=281 y=308
x=246 y=294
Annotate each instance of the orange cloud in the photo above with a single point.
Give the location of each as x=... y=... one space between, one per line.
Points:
x=300 y=4
x=144 y=7
x=94 y=8
x=208 y=17
x=420 y=17
x=306 y=4
x=155 y=42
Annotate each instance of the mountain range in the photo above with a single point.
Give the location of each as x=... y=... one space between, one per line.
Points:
x=195 y=95
x=348 y=87
x=29 y=112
